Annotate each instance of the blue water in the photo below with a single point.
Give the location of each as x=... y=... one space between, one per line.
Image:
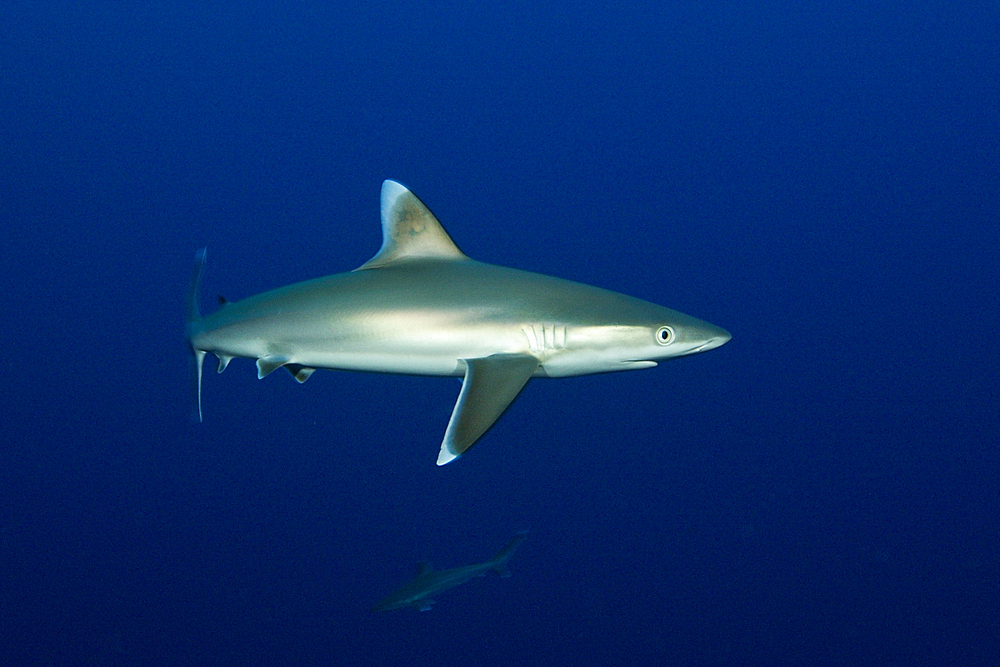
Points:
x=820 y=179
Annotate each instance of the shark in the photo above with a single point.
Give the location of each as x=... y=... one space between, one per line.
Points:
x=420 y=306
x=419 y=591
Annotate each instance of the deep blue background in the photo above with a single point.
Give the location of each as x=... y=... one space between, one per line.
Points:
x=821 y=179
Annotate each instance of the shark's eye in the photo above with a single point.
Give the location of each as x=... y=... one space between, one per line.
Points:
x=664 y=335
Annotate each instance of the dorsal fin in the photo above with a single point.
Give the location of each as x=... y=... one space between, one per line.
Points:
x=409 y=230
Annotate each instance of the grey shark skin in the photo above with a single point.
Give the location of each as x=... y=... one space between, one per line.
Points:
x=422 y=307
x=419 y=592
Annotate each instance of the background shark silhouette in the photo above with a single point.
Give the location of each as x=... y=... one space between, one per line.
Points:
x=419 y=592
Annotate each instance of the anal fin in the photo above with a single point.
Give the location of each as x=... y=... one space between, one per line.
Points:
x=224 y=360
x=491 y=384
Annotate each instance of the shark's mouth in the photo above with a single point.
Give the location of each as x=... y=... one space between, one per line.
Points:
x=710 y=344
x=638 y=363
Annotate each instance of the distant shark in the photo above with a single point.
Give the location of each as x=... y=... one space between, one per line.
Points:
x=419 y=592
x=422 y=307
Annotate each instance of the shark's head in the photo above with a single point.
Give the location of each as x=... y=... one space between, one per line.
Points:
x=679 y=335
x=640 y=335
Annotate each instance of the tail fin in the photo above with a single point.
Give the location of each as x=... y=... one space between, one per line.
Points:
x=499 y=562
x=193 y=315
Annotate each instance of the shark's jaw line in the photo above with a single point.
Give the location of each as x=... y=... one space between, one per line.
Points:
x=422 y=307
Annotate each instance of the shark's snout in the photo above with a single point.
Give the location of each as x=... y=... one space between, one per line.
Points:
x=715 y=337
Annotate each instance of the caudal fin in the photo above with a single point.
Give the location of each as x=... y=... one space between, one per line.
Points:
x=193 y=315
x=499 y=562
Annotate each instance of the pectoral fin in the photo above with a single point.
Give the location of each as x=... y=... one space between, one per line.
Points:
x=490 y=385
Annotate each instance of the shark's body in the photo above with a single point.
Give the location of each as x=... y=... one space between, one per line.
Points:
x=421 y=307
x=419 y=592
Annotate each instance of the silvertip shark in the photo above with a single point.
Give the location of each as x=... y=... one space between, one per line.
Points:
x=420 y=306
x=419 y=591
